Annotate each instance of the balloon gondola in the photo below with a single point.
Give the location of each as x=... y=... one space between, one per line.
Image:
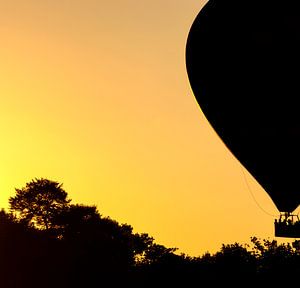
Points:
x=242 y=61
x=288 y=225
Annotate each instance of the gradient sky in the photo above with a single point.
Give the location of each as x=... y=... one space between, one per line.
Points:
x=94 y=94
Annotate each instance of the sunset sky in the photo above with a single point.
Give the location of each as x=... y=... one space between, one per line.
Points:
x=94 y=94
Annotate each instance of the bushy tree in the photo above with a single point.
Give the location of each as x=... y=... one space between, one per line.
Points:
x=39 y=202
x=76 y=219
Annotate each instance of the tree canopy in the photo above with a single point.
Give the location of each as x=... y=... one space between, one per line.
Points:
x=45 y=241
x=39 y=202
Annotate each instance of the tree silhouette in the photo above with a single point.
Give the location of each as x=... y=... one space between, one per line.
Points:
x=47 y=242
x=39 y=202
x=72 y=221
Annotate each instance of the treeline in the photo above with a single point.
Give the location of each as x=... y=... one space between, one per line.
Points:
x=46 y=241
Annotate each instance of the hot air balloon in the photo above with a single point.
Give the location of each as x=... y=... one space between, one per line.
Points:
x=242 y=60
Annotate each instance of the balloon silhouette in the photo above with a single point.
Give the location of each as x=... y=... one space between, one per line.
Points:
x=242 y=60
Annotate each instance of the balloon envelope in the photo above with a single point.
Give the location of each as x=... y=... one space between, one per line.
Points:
x=243 y=62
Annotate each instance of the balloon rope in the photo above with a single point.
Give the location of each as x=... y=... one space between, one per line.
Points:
x=251 y=192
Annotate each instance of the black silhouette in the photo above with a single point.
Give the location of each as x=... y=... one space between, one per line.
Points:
x=39 y=202
x=81 y=248
x=242 y=60
x=288 y=225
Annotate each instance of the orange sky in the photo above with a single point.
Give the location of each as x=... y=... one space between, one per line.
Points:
x=95 y=94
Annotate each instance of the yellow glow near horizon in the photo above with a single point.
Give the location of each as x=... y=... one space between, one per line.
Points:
x=95 y=95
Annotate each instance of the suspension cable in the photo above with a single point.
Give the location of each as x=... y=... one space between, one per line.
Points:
x=251 y=192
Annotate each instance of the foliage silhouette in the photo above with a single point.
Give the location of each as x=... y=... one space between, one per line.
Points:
x=81 y=248
x=38 y=202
